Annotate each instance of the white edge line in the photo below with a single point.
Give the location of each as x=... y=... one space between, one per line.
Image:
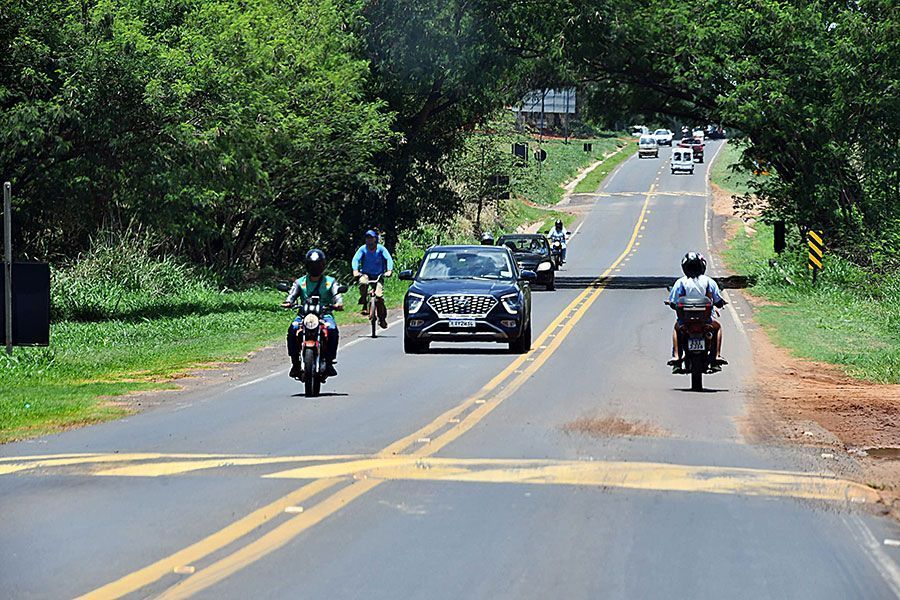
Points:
x=882 y=561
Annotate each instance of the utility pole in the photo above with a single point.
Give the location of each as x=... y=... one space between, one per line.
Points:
x=7 y=244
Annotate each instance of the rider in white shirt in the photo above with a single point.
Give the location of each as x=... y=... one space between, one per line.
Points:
x=559 y=234
x=695 y=284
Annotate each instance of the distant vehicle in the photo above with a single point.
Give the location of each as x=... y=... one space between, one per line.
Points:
x=695 y=145
x=715 y=133
x=663 y=137
x=467 y=294
x=647 y=146
x=698 y=134
x=639 y=131
x=682 y=160
x=532 y=253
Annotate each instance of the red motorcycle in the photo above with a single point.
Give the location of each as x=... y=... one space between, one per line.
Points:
x=697 y=338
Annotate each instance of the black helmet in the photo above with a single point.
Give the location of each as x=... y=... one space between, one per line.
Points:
x=315 y=262
x=559 y=224
x=487 y=239
x=693 y=264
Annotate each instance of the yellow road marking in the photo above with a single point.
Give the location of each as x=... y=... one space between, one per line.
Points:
x=281 y=534
x=618 y=474
x=138 y=579
x=97 y=458
x=178 y=467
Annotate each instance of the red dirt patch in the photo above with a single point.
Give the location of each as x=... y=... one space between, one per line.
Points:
x=811 y=403
x=612 y=426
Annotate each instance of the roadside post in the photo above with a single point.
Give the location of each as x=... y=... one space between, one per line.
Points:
x=7 y=265
x=815 y=241
x=780 y=243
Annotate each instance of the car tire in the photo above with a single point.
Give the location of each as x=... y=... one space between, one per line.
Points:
x=673 y=171
x=701 y=160
x=414 y=346
x=551 y=285
x=522 y=344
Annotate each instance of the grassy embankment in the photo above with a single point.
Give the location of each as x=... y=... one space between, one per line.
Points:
x=850 y=318
x=543 y=188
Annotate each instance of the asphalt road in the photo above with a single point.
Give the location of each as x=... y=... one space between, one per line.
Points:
x=466 y=472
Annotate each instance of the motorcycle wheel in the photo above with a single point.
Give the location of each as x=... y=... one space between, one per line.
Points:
x=696 y=375
x=311 y=380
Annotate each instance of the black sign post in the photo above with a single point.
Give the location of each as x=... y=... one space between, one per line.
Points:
x=7 y=266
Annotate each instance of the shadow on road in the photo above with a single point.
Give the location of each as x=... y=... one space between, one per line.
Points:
x=469 y=351
x=703 y=391
x=618 y=282
x=322 y=395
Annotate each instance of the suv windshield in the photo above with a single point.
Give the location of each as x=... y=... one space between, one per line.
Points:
x=648 y=140
x=661 y=132
x=467 y=263
x=525 y=244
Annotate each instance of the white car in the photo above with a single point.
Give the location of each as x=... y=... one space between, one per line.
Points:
x=647 y=146
x=699 y=134
x=663 y=137
x=682 y=160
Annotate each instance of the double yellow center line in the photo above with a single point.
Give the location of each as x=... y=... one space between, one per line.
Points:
x=422 y=443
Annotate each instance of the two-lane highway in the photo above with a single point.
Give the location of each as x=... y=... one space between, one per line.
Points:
x=582 y=469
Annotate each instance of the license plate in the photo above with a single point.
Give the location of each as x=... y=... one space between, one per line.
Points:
x=467 y=323
x=696 y=344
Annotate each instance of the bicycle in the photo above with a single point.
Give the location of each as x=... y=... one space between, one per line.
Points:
x=372 y=300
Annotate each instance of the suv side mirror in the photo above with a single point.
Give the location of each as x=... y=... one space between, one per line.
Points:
x=406 y=275
x=527 y=275
x=342 y=289
x=282 y=286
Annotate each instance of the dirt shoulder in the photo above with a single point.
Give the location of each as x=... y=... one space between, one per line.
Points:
x=813 y=404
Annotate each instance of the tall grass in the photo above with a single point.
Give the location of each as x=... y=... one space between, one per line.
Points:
x=850 y=317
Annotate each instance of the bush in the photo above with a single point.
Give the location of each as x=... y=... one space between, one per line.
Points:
x=121 y=276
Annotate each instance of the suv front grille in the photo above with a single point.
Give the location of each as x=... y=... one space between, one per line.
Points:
x=470 y=305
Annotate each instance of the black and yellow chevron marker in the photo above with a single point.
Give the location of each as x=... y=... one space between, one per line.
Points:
x=814 y=240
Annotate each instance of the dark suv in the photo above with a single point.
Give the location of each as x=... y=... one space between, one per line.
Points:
x=468 y=294
x=532 y=252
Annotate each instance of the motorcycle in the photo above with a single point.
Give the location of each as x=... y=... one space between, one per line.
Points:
x=556 y=253
x=696 y=338
x=312 y=339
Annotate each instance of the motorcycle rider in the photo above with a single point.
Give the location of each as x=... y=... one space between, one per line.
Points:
x=371 y=261
x=487 y=239
x=695 y=284
x=314 y=283
x=559 y=234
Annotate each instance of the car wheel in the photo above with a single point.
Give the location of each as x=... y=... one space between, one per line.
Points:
x=551 y=285
x=701 y=160
x=673 y=171
x=522 y=344
x=414 y=346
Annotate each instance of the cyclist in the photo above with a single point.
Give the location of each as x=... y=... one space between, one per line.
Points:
x=371 y=261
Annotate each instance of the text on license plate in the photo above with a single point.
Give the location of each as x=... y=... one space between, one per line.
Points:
x=696 y=344
x=462 y=323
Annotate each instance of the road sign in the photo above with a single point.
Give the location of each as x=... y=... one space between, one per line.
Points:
x=550 y=101
x=30 y=306
x=816 y=243
x=520 y=150
x=540 y=155
x=588 y=147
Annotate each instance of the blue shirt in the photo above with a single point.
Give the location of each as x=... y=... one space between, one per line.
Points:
x=696 y=287
x=372 y=262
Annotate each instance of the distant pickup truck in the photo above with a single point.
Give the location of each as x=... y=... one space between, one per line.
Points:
x=695 y=145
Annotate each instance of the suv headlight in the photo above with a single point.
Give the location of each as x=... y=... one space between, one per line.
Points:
x=512 y=303
x=414 y=302
x=544 y=266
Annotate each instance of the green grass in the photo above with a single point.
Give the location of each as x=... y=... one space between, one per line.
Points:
x=722 y=173
x=543 y=181
x=592 y=181
x=850 y=318
x=518 y=213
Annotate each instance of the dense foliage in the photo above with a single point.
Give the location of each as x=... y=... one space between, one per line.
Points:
x=241 y=132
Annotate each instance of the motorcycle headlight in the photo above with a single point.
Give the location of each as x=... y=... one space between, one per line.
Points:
x=512 y=303
x=311 y=321
x=414 y=302
x=544 y=266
